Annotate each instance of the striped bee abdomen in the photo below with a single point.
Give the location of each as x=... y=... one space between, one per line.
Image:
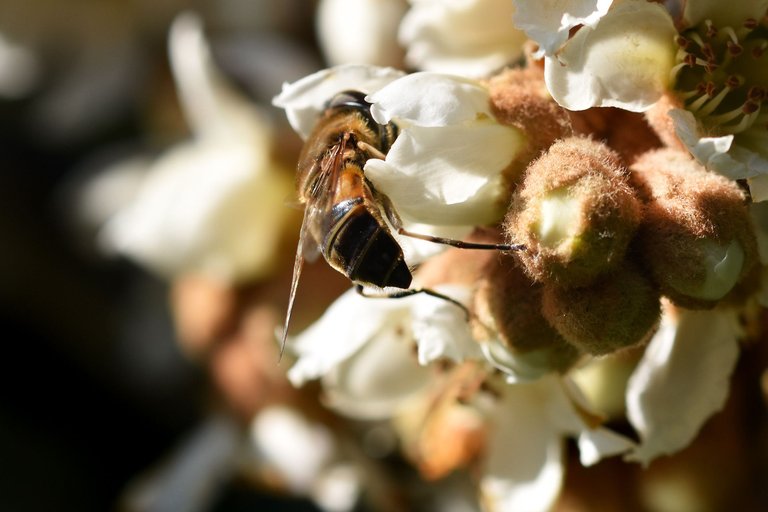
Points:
x=359 y=246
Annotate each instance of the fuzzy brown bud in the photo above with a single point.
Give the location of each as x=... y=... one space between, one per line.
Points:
x=519 y=98
x=620 y=310
x=575 y=212
x=696 y=238
x=508 y=306
x=627 y=133
x=661 y=123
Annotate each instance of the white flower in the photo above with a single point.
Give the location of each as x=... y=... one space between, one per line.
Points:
x=623 y=61
x=465 y=37
x=304 y=454
x=213 y=204
x=360 y=32
x=714 y=66
x=524 y=466
x=682 y=379
x=446 y=166
x=364 y=349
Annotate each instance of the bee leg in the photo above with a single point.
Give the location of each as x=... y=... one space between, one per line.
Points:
x=413 y=291
x=460 y=243
x=371 y=150
x=397 y=224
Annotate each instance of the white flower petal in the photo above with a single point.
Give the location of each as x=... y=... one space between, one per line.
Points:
x=293 y=446
x=380 y=377
x=517 y=368
x=449 y=175
x=212 y=107
x=430 y=99
x=338 y=488
x=720 y=154
x=348 y=324
x=548 y=22
x=569 y=409
x=758 y=188
x=360 y=32
x=731 y=14
x=524 y=469
x=624 y=61
x=466 y=37
x=681 y=381
x=597 y=444
x=189 y=214
x=20 y=69
x=441 y=328
x=305 y=99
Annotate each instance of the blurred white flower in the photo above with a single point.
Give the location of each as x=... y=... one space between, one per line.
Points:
x=306 y=456
x=19 y=69
x=360 y=32
x=213 y=204
x=713 y=66
x=464 y=37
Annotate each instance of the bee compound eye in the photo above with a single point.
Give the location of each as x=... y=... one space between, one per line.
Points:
x=354 y=99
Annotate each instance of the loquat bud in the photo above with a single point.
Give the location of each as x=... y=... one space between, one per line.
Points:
x=519 y=98
x=507 y=306
x=661 y=123
x=696 y=238
x=619 y=310
x=627 y=133
x=575 y=213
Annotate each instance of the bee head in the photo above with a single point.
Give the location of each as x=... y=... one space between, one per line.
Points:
x=349 y=99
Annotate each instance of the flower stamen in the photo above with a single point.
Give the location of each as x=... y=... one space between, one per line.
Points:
x=712 y=104
x=711 y=31
x=717 y=83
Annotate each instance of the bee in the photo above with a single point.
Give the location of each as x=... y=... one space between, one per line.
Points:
x=344 y=215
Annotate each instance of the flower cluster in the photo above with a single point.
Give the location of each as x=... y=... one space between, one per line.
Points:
x=637 y=244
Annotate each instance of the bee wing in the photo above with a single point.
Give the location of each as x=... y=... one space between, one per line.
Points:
x=297 y=266
x=321 y=200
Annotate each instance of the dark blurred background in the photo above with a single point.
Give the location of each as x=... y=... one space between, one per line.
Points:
x=94 y=389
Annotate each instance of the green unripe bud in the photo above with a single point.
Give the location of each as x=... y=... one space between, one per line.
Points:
x=507 y=307
x=619 y=310
x=575 y=212
x=696 y=238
